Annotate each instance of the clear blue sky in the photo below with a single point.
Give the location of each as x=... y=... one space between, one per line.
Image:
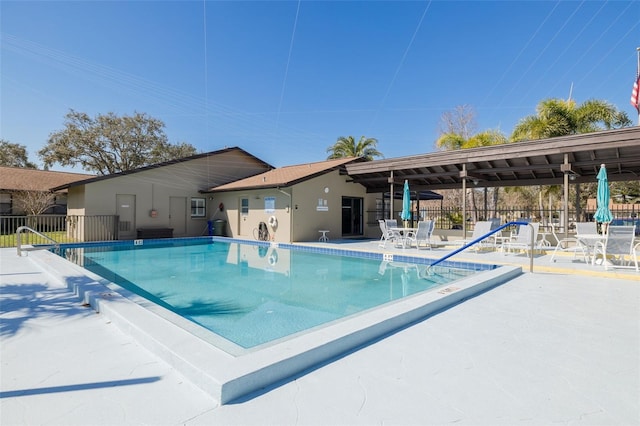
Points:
x=284 y=79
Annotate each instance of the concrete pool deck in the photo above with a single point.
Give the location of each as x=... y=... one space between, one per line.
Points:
x=559 y=345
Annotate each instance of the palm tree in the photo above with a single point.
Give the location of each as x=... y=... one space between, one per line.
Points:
x=453 y=141
x=347 y=147
x=557 y=117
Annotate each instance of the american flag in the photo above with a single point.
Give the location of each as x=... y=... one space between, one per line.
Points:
x=634 y=94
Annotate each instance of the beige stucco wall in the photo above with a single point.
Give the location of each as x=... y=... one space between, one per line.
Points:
x=75 y=200
x=243 y=226
x=296 y=209
x=154 y=188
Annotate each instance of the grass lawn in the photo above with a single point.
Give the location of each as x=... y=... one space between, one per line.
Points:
x=9 y=240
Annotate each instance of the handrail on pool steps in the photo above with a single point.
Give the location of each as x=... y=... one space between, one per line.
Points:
x=488 y=234
x=19 y=247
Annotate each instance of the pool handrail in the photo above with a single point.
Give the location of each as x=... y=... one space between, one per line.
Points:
x=485 y=236
x=19 y=247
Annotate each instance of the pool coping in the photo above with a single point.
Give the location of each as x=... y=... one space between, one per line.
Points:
x=227 y=377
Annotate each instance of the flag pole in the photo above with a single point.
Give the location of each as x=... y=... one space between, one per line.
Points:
x=638 y=83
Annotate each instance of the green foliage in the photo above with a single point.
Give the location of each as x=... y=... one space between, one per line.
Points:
x=625 y=192
x=557 y=117
x=14 y=155
x=455 y=217
x=109 y=143
x=347 y=147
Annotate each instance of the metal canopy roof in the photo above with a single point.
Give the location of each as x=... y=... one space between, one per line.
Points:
x=540 y=162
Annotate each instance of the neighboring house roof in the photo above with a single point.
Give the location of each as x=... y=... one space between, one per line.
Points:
x=166 y=163
x=285 y=176
x=22 y=179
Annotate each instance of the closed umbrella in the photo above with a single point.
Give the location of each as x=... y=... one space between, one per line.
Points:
x=603 y=214
x=406 y=203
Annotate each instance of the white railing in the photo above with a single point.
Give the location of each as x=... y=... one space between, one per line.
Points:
x=20 y=248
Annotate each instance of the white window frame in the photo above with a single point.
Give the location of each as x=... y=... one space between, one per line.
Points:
x=244 y=206
x=200 y=208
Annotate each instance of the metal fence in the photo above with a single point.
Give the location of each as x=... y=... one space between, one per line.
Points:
x=452 y=218
x=61 y=228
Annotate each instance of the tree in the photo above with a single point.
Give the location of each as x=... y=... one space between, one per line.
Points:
x=454 y=141
x=557 y=117
x=625 y=192
x=461 y=121
x=109 y=143
x=32 y=202
x=347 y=147
x=14 y=155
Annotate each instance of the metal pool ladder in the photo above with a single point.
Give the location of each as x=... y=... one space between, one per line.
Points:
x=19 y=231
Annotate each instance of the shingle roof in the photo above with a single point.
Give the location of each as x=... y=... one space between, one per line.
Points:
x=16 y=178
x=285 y=176
x=92 y=178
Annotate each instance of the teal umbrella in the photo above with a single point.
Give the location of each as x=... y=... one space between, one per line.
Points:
x=406 y=202
x=603 y=214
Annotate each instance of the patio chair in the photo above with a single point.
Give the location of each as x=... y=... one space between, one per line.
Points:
x=388 y=235
x=422 y=235
x=522 y=240
x=481 y=228
x=391 y=223
x=618 y=247
x=569 y=245
x=585 y=233
x=586 y=228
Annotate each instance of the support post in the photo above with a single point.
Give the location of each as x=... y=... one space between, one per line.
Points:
x=565 y=198
x=464 y=201
x=391 y=197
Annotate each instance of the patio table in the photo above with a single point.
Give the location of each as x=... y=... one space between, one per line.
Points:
x=403 y=233
x=590 y=240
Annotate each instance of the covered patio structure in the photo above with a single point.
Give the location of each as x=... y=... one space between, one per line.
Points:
x=562 y=160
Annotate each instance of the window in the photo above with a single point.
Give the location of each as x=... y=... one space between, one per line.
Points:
x=5 y=204
x=244 y=206
x=198 y=207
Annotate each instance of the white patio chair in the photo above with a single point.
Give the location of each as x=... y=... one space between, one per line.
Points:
x=586 y=233
x=422 y=235
x=618 y=247
x=569 y=245
x=391 y=223
x=588 y=228
x=522 y=240
x=481 y=228
x=388 y=235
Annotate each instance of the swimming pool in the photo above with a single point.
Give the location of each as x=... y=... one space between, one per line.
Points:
x=252 y=295
x=227 y=370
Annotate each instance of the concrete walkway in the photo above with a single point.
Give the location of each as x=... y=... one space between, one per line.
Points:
x=561 y=345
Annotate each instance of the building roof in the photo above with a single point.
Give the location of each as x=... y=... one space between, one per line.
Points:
x=539 y=162
x=166 y=163
x=285 y=176
x=23 y=179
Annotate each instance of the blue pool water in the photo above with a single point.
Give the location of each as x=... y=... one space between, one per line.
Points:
x=255 y=294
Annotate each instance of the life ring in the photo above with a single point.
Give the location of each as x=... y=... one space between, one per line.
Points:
x=273 y=258
x=221 y=206
x=273 y=222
